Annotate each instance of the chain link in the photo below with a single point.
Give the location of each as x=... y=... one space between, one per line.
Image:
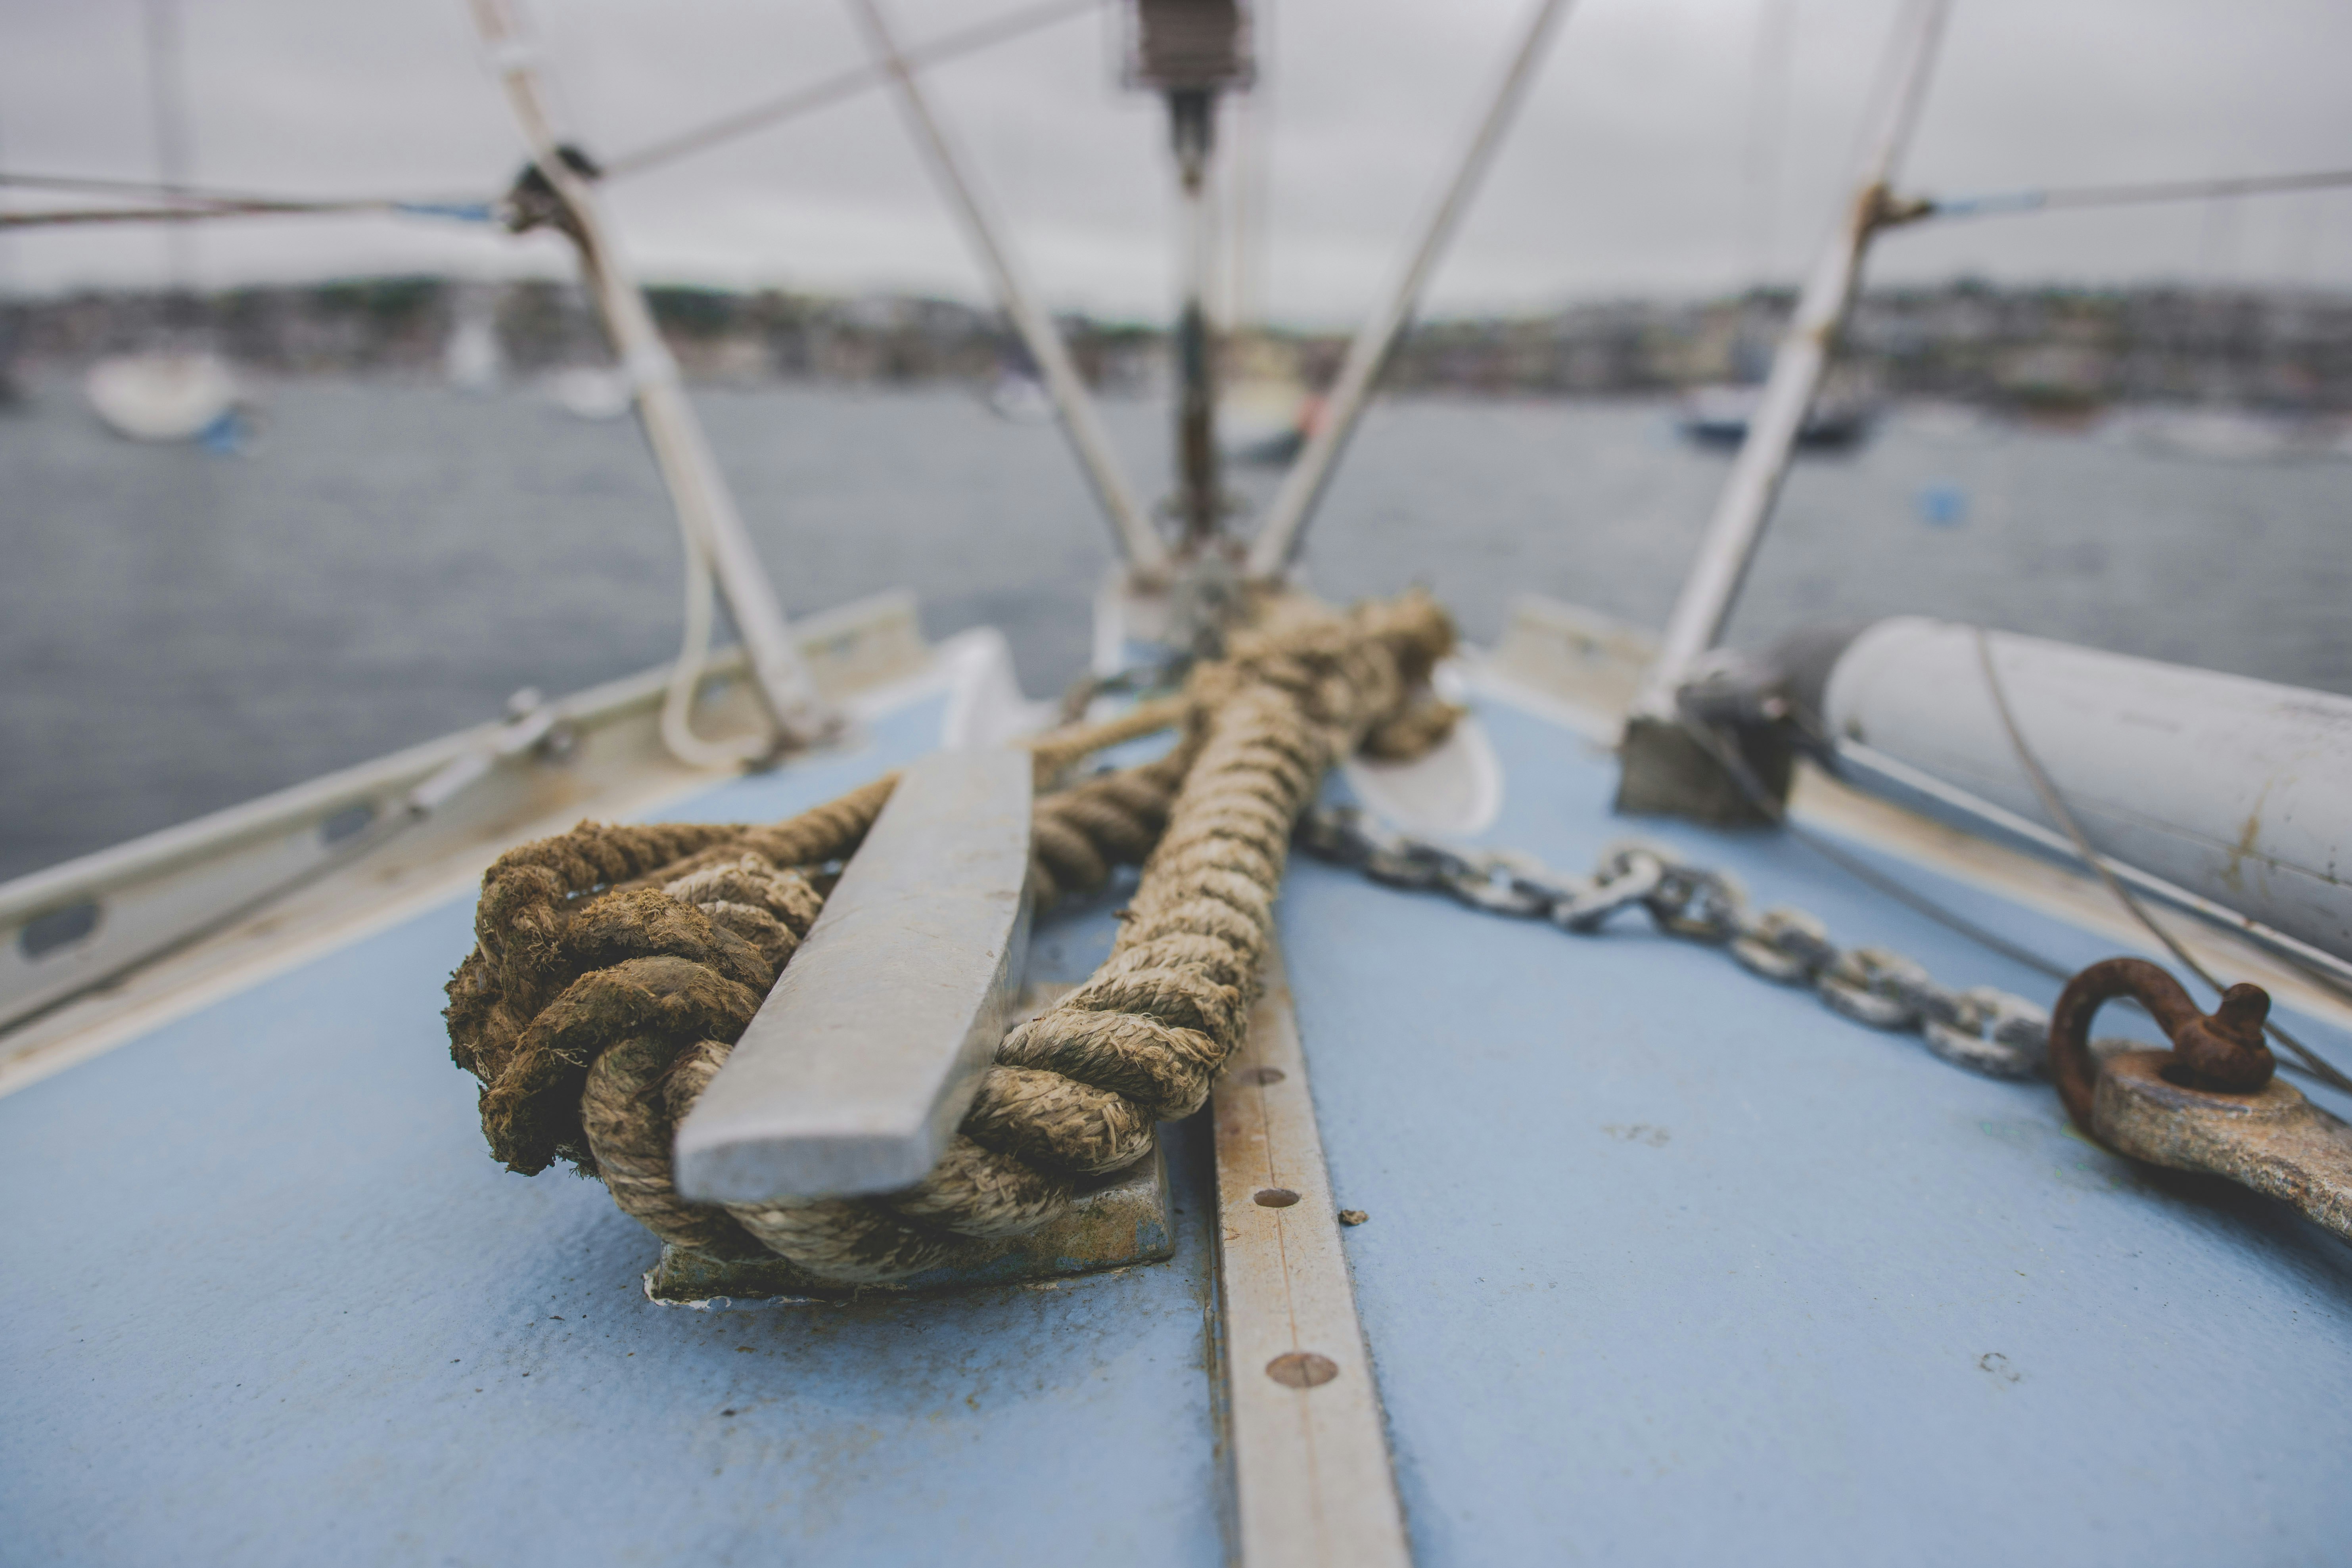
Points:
x=1983 y=1029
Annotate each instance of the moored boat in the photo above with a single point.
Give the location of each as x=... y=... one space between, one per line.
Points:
x=165 y=397
x=1719 y=417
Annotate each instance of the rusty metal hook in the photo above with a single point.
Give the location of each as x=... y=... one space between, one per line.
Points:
x=2223 y=1053
x=2210 y=1104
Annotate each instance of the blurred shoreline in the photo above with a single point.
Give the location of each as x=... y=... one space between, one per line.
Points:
x=2053 y=353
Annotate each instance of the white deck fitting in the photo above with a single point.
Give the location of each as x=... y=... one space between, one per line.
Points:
x=1310 y=1474
x=2228 y=787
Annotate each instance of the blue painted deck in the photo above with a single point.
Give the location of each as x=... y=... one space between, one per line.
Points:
x=1668 y=1264
x=1663 y=1265
x=264 y=1299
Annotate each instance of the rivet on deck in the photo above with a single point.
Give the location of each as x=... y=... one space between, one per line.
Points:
x=1302 y=1369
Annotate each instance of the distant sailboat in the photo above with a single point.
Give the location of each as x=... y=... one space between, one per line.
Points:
x=590 y=392
x=1020 y=399
x=167 y=397
x=179 y=390
x=1718 y=416
x=471 y=358
x=1265 y=423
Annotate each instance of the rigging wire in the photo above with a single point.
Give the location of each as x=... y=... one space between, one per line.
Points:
x=1137 y=541
x=2056 y=806
x=167 y=112
x=2013 y=202
x=1283 y=530
x=190 y=203
x=1870 y=876
x=2322 y=969
x=127 y=187
x=843 y=85
x=463 y=212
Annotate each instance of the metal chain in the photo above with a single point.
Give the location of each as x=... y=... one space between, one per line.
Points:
x=1983 y=1029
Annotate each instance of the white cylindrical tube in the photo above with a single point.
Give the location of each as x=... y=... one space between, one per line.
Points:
x=2235 y=789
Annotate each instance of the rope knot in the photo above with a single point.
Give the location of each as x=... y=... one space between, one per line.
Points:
x=615 y=966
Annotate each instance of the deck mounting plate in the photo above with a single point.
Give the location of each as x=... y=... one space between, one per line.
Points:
x=1123 y=1220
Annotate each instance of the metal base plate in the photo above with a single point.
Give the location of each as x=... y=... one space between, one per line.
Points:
x=1665 y=772
x=1123 y=1221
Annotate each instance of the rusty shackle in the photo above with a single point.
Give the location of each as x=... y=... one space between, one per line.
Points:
x=2222 y=1052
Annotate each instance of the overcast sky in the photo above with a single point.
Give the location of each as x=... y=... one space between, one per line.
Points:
x=1633 y=171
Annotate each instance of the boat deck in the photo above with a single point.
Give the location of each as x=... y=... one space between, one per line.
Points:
x=1663 y=1264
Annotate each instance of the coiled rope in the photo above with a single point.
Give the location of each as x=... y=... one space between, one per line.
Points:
x=615 y=967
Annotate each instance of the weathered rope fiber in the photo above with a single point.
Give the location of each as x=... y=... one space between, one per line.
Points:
x=573 y=951
x=598 y=1003
x=1057 y=751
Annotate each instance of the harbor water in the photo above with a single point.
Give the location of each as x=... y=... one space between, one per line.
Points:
x=182 y=630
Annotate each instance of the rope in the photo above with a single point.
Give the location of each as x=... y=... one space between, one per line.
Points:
x=1057 y=751
x=615 y=966
x=574 y=950
x=686 y=674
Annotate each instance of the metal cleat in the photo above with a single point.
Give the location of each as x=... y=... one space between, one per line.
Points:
x=860 y=1065
x=863 y=1058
